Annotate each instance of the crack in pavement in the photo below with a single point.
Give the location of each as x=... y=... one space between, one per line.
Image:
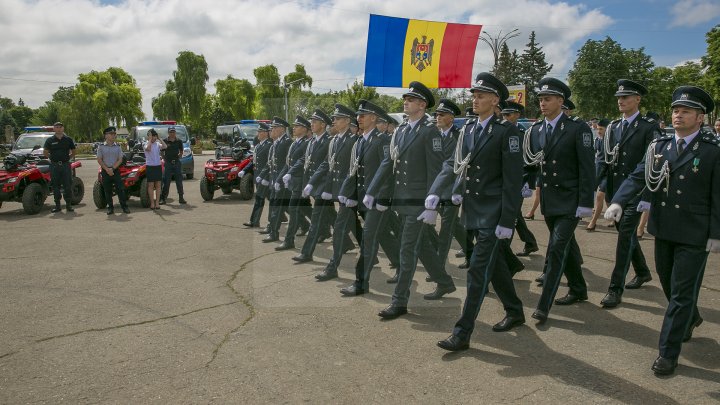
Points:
x=241 y=298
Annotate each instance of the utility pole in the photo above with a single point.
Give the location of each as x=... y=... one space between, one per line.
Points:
x=497 y=42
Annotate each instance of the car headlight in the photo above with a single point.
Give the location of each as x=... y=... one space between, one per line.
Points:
x=12 y=180
x=187 y=152
x=132 y=174
x=234 y=169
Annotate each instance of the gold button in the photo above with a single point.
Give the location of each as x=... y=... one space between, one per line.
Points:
x=397 y=182
x=624 y=153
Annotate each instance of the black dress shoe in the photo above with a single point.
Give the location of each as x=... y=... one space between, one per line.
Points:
x=126 y=210
x=285 y=246
x=350 y=291
x=182 y=200
x=110 y=211
x=664 y=366
x=454 y=343
x=541 y=279
x=459 y=253
x=527 y=251
x=570 y=299
x=250 y=225
x=541 y=316
x=439 y=292
x=465 y=265
x=56 y=209
x=428 y=279
x=270 y=238
x=637 y=282
x=508 y=323
x=264 y=232
x=689 y=333
x=392 y=312
x=393 y=279
x=611 y=300
x=69 y=208
x=302 y=258
x=327 y=274
x=162 y=201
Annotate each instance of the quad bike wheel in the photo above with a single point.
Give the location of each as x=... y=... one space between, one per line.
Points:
x=189 y=176
x=206 y=189
x=144 y=195
x=78 y=190
x=33 y=198
x=246 y=187
x=99 y=195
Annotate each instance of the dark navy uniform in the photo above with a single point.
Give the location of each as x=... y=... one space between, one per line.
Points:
x=624 y=147
x=279 y=196
x=299 y=209
x=567 y=181
x=490 y=182
x=415 y=160
x=60 y=151
x=260 y=161
x=684 y=218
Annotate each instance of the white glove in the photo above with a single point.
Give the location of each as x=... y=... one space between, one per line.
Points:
x=428 y=216
x=307 y=190
x=526 y=191
x=342 y=199
x=277 y=186
x=614 y=212
x=380 y=207
x=265 y=183
x=286 y=179
x=643 y=206
x=258 y=179
x=350 y=203
x=241 y=174
x=431 y=202
x=326 y=196
x=368 y=201
x=713 y=246
x=503 y=233
x=583 y=212
x=456 y=199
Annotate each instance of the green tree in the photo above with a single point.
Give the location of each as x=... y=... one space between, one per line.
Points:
x=212 y=115
x=711 y=62
x=269 y=92
x=236 y=97
x=356 y=92
x=46 y=114
x=533 y=67
x=6 y=103
x=389 y=103
x=166 y=106
x=5 y=120
x=508 y=67
x=22 y=116
x=190 y=79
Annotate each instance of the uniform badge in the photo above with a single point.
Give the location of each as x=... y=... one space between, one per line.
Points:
x=696 y=162
x=386 y=151
x=437 y=145
x=696 y=146
x=621 y=88
x=514 y=143
x=684 y=96
x=544 y=87
x=587 y=139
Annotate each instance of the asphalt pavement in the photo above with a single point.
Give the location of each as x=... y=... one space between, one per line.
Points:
x=185 y=305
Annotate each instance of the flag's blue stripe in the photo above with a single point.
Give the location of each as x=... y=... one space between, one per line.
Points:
x=385 y=47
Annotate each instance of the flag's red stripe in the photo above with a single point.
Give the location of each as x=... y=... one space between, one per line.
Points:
x=457 y=55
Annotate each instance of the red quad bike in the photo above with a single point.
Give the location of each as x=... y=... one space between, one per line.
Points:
x=133 y=174
x=26 y=179
x=222 y=174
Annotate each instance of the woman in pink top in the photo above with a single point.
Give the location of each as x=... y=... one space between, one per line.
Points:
x=154 y=169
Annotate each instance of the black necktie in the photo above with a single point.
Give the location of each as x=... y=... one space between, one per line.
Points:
x=403 y=136
x=548 y=134
x=680 y=146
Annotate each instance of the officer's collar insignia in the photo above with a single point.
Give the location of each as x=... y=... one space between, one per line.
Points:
x=669 y=146
x=696 y=146
x=635 y=125
x=544 y=87
x=490 y=129
x=562 y=126
x=621 y=88
x=684 y=96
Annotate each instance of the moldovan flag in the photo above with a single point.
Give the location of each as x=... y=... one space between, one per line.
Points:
x=437 y=54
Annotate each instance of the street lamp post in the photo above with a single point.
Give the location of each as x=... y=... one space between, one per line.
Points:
x=496 y=43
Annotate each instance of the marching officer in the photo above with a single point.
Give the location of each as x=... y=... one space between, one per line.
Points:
x=60 y=149
x=562 y=147
x=625 y=143
x=416 y=156
x=489 y=167
x=330 y=175
x=568 y=107
x=292 y=175
x=368 y=153
x=323 y=211
x=279 y=196
x=512 y=113
x=260 y=161
x=681 y=175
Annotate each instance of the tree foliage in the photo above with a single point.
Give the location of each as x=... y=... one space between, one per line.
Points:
x=508 y=66
x=166 y=106
x=235 y=97
x=533 y=67
x=269 y=91
x=190 y=78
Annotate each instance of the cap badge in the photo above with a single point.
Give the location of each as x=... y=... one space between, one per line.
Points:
x=684 y=96
x=412 y=90
x=479 y=83
x=337 y=111
x=544 y=87
x=441 y=105
x=621 y=88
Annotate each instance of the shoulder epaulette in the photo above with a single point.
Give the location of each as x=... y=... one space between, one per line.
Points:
x=429 y=123
x=575 y=118
x=665 y=137
x=648 y=119
x=616 y=121
x=538 y=122
x=710 y=138
x=470 y=121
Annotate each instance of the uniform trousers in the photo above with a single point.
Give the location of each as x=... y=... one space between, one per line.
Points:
x=279 y=201
x=61 y=175
x=299 y=211
x=450 y=227
x=322 y=216
x=347 y=221
x=379 y=229
x=628 y=248
x=107 y=182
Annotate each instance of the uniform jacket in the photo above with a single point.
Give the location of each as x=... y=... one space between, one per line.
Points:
x=329 y=179
x=632 y=149
x=419 y=160
x=296 y=165
x=567 y=177
x=688 y=210
x=315 y=154
x=260 y=161
x=491 y=188
x=369 y=155
x=276 y=161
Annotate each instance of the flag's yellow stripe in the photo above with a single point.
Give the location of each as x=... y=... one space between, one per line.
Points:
x=433 y=31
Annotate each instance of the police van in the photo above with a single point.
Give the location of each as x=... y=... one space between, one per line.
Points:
x=231 y=132
x=139 y=133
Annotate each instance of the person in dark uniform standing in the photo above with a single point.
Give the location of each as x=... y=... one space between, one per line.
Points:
x=110 y=157
x=416 y=157
x=331 y=174
x=279 y=196
x=681 y=176
x=601 y=126
x=512 y=112
x=368 y=152
x=292 y=175
x=563 y=149
x=259 y=162
x=60 y=149
x=321 y=216
x=173 y=166
x=625 y=143
x=485 y=176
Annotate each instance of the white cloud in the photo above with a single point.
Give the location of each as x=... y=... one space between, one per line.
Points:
x=55 y=40
x=690 y=13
